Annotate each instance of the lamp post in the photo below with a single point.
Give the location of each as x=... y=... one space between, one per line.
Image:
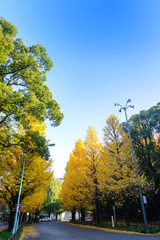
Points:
x=19 y=194
x=140 y=192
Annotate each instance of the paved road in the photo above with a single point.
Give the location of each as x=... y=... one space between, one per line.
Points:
x=63 y=231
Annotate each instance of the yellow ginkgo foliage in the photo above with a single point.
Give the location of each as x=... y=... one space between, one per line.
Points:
x=36 y=178
x=73 y=189
x=34 y=202
x=80 y=188
x=118 y=180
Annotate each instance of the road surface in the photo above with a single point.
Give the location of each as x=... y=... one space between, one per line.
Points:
x=64 y=231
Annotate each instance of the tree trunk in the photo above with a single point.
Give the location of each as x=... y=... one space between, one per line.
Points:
x=73 y=214
x=11 y=220
x=82 y=214
x=127 y=216
x=97 y=202
x=156 y=210
x=94 y=215
x=97 y=211
x=29 y=218
x=24 y=217
x=36 y=217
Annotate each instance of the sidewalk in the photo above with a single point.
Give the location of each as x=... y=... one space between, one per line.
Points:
x=29 y=232
x=3 y=226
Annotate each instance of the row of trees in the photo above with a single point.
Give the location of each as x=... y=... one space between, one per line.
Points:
x=99 y=176
x=52 y=203
x=25 y=103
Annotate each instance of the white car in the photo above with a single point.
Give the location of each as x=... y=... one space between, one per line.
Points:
x=89 y=217
x=46 y=219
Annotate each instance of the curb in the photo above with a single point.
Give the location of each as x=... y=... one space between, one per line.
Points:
x=114 y=230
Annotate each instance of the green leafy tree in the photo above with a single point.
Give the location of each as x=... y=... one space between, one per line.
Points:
x=52 y=203
x=145 y=129
x=25 y=103
x=7 y=33
x=145 y=146
x=22 y=85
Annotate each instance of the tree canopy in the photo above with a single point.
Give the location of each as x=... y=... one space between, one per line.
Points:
x=100 y=176
x=80 y=188
x=118 y=180
x=25 y=103
x=37 y=174
x=22 y=85
x=52 y=203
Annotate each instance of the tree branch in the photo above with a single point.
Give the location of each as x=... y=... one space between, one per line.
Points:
x=1 y=122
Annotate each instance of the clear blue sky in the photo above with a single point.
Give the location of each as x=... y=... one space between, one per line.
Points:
x=104 y=51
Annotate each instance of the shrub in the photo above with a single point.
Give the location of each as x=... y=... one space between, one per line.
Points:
x=131 y=228
x=5 y=235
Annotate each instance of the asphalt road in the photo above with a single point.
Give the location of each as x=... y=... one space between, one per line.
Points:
x=64 y=231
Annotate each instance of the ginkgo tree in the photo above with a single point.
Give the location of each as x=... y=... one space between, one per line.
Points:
x=74 y=192
x=37 y=172
x=118 y=179
x=80 y=189
x=34 y=202
x=93 y=149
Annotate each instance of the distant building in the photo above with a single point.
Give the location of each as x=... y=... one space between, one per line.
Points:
x=67 y=216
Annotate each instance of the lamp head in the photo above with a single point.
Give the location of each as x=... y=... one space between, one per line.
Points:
x=129 y=100
x=116 y=104
x=51 y=145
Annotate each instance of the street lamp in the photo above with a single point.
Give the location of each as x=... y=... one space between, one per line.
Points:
x=19 y=194
x=140 y=192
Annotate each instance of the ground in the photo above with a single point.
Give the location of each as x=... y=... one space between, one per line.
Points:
x=64 y=231
x=3 y=226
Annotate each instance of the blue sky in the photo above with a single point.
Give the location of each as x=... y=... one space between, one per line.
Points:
x=104 y=51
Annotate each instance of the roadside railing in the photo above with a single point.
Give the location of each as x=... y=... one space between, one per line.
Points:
x=14 y=236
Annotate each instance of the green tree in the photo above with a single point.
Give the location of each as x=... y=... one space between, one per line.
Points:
x=143 y=128
x=7 y=33
x=145 y=136
x=52 y=203
x=22 y=85
x=25 y=103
